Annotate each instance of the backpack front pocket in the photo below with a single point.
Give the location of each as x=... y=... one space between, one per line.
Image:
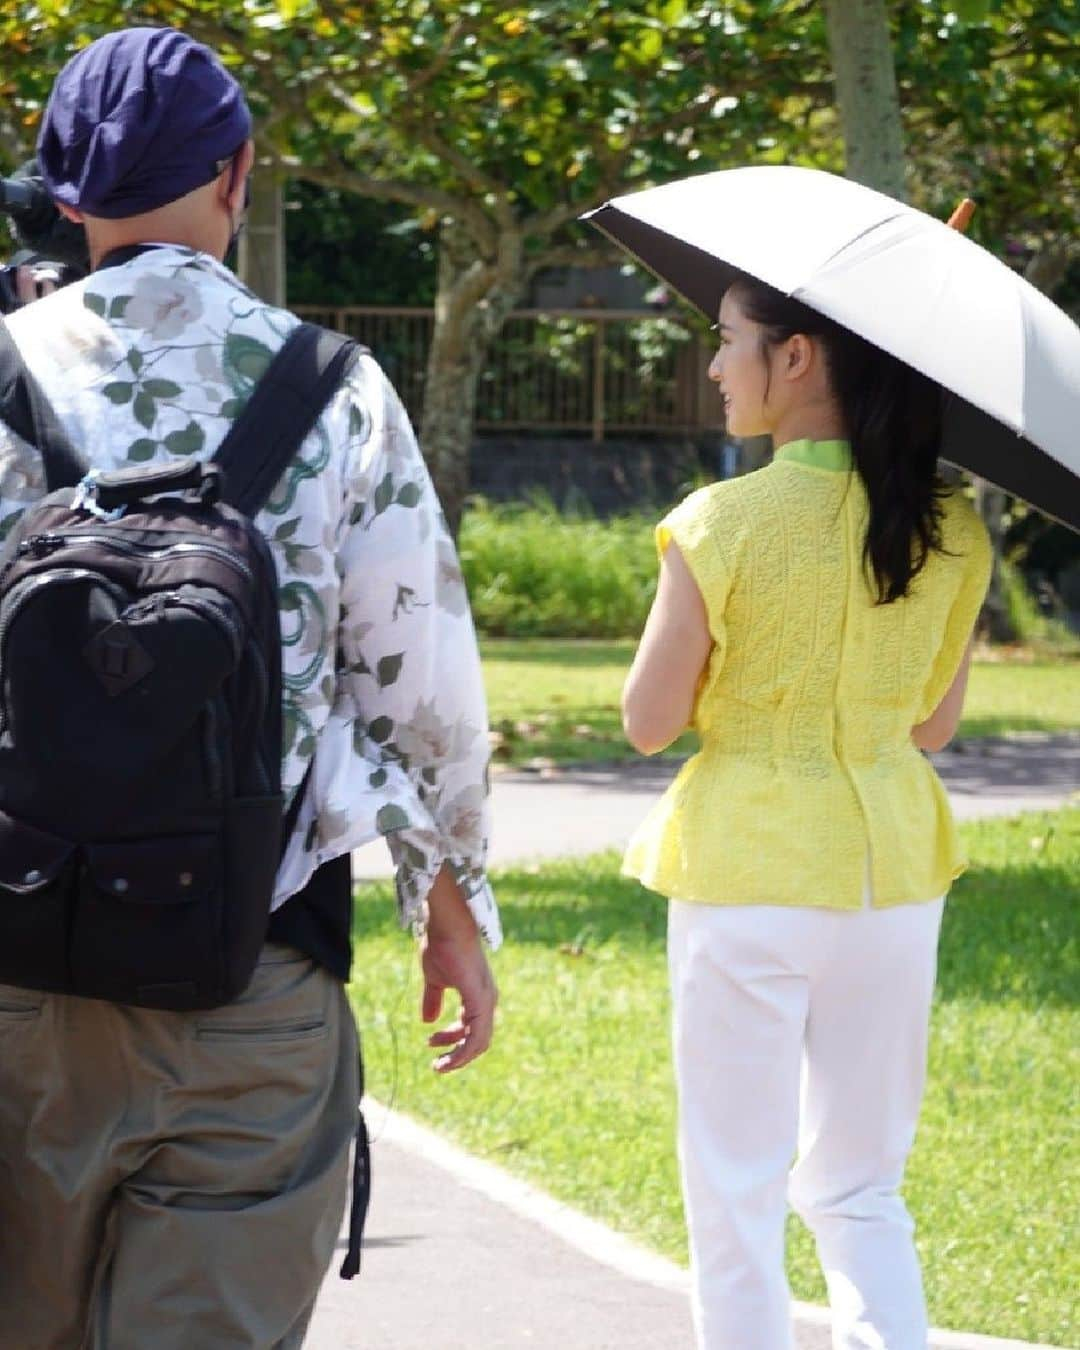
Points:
x=37 y=872
x=147 y=921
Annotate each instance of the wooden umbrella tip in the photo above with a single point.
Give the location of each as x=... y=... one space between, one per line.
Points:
x=961 y=217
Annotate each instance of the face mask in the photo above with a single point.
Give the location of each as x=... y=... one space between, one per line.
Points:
x=234 y=239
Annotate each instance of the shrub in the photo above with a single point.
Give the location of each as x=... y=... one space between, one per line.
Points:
x=534 y=572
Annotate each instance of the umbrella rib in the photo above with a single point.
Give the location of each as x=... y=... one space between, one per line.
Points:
x=849 y=244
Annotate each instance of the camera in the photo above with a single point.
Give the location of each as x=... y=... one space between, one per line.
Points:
x=54 y=248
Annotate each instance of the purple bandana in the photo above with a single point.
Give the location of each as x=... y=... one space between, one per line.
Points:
x=137 y=119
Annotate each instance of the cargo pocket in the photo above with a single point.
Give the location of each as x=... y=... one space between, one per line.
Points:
x=37 y=872
x=147 y=925
x=286 y=1000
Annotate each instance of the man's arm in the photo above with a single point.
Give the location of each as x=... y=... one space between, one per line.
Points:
x=409 y=671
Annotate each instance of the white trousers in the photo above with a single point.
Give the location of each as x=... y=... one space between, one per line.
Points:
x=801 y=1029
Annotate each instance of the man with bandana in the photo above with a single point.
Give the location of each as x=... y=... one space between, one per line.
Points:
x=171 y=1179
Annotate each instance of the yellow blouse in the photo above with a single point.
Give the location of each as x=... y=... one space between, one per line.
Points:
x=806 y=706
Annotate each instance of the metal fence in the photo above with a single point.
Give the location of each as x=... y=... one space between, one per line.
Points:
x=619 y=372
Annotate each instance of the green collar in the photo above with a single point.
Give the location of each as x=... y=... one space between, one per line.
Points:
x=834 y=455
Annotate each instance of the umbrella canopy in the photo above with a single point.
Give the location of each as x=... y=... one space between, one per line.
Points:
x=898 y=278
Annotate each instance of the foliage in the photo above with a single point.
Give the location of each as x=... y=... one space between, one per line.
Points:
x=500 y=125
x=341 y=248
x=584 y=1002
x=1043 y=632
x=533 y=572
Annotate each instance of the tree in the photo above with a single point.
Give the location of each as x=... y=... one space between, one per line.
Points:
x=498 y=126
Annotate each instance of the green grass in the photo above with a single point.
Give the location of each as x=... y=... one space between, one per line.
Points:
x=560 y=700
x=576 y=1093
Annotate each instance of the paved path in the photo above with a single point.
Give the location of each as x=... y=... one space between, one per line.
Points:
x=578 y=811
x=458 y=1255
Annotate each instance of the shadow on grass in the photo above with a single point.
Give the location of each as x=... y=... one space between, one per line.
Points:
x=1003 y=724
x=1009 y=934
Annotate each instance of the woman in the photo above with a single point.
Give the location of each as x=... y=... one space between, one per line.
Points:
x=814 y=622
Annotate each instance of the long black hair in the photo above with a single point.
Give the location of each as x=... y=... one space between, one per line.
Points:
x=893 y=418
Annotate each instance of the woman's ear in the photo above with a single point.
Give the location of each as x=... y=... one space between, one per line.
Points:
x=798 y=356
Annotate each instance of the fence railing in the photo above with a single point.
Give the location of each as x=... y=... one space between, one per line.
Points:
x=617 y=372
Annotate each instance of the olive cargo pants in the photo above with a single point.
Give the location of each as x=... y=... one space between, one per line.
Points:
x=173 y=1180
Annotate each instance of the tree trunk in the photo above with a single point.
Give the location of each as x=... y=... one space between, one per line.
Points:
x=860 y=46
x=261 y=254
x=472 y=301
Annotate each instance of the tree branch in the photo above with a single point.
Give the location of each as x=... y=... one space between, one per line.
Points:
x=567 y=255
x=392 y=189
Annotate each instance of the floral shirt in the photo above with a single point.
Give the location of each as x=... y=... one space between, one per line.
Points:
x=154 y=358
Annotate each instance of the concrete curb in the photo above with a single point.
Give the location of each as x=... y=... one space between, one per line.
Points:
x=588 y=1236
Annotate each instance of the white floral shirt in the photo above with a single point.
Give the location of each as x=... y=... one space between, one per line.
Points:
x=153 y=359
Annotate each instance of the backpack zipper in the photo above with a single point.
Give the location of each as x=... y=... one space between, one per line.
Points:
x=163 y=600
x=41 y=545
x=17 y=596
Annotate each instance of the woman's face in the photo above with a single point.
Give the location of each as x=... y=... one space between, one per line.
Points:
x=741 y=369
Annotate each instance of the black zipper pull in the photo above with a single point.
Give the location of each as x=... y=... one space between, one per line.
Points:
x=41 y=545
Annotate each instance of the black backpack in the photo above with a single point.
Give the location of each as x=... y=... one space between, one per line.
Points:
x=140 y=703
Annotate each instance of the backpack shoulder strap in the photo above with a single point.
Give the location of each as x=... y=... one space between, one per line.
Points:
x=284 y=406
x=26 y=410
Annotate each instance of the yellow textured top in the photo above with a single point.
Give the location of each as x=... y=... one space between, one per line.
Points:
x=806 y=707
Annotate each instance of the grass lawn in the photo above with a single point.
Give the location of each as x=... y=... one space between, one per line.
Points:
x=558 y=700
x=576 y=1094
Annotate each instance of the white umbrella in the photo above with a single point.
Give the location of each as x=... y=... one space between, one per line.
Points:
x=900 y=279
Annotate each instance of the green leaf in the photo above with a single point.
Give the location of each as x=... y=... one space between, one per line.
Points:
x=145 y=410
x=142 y=449
x=409 y=495
x=120 y=391
x=381 y=729
x=389 y=668
x=245 y=358
x=533 y=158
x=161 y=388
x=95 y=303
x=187 y=441
x=389 y=818
x=377 y=779
x=650 y=45
x=135 y=359
x=233 y=407
x=971 y=11
x=384 y=494
x=119 y=304
x=288 y=529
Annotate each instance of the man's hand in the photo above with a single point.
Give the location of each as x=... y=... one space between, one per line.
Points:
x=452 y=957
